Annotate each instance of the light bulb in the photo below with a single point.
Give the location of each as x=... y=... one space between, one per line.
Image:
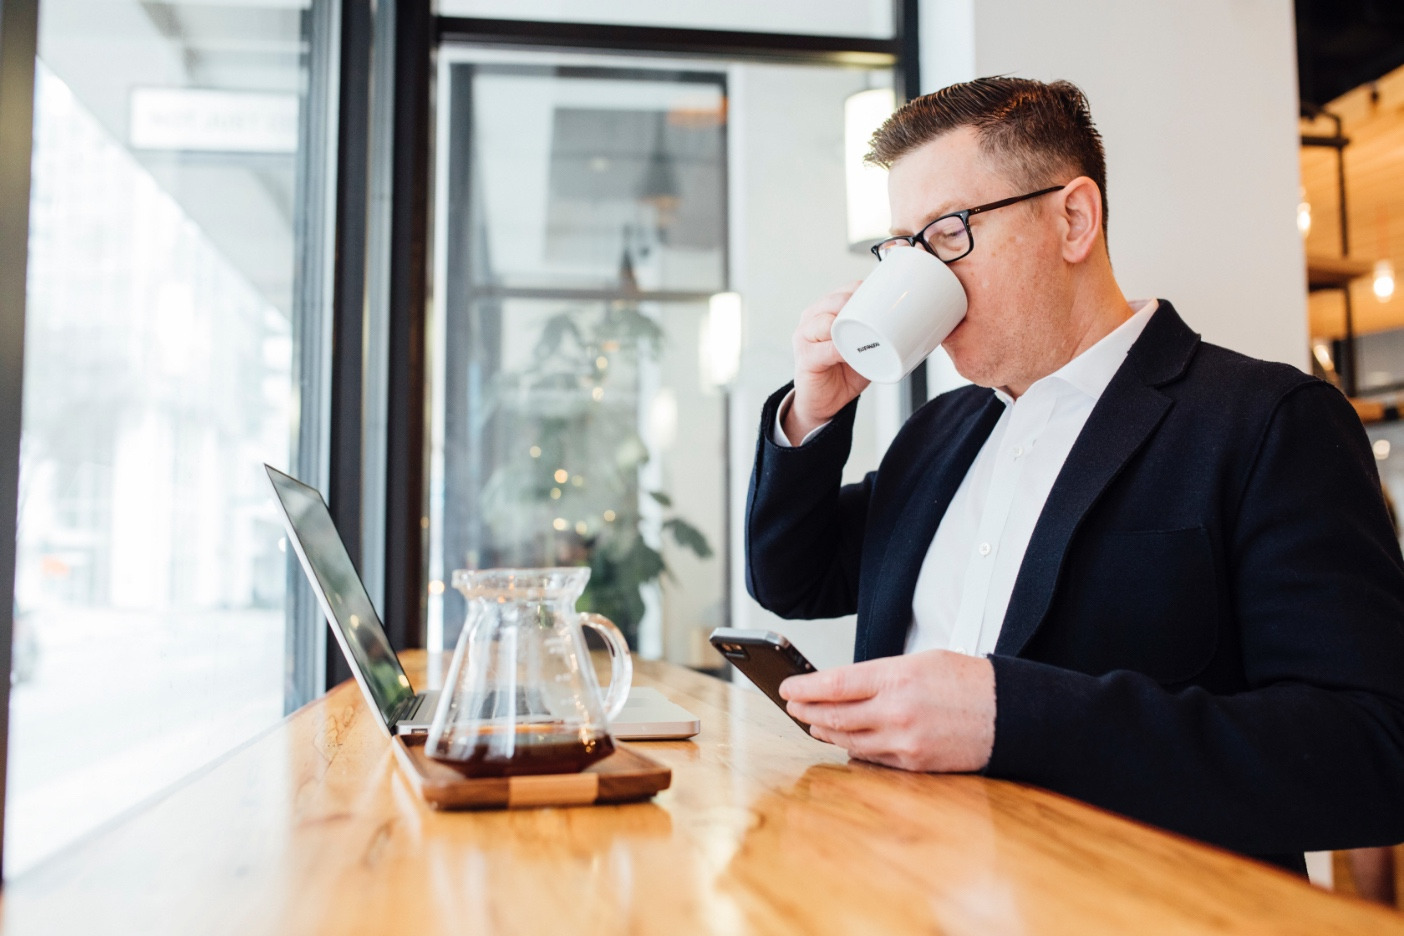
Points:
x=719 y=347
x=1304 y=218
x=1384 y=280
x=663 y=418
x=1322 y=351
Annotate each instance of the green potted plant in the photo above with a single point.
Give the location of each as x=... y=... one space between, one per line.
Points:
x=569 y=480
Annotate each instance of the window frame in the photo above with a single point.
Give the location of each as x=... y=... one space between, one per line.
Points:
x=329 y=300
x=19 y=33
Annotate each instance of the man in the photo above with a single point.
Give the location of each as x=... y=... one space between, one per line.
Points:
x=1125 y=565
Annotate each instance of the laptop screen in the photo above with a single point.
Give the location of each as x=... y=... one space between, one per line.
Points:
x=344 y=599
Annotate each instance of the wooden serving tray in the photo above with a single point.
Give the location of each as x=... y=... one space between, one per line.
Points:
x=622 y=776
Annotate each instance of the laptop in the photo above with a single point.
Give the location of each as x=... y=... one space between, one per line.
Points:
x=647 y=714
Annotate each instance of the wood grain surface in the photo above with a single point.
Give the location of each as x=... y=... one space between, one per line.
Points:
x=311 y=828
x=624 y=776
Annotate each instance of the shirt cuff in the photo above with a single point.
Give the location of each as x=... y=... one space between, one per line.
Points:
x=777 y=435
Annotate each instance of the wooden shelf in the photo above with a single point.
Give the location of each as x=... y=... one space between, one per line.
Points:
x=1335 y=272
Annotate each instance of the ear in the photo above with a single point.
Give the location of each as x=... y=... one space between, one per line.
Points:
x=1082 y=211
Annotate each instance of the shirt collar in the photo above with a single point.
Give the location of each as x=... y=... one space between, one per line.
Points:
x=1093 y=369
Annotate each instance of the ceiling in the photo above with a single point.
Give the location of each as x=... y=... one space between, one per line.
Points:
x=1345 y=43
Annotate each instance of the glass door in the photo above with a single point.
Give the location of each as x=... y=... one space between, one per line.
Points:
x=624 y=244
x=582 y=238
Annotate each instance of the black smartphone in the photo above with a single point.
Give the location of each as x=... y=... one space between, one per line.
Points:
x=766 y=658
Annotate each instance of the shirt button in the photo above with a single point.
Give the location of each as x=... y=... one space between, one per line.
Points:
x=984 y=549
x=961 y=650
x=1018 y=450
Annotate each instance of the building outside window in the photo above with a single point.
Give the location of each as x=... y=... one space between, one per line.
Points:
x=160 y=322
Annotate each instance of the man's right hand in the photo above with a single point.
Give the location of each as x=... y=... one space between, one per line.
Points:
x=824 y=383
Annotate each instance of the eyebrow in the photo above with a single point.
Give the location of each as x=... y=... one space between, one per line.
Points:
x=944 y=210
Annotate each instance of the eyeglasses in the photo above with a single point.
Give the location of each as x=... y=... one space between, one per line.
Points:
x=948 y=238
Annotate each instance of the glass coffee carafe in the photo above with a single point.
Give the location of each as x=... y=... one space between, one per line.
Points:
x=521 y=695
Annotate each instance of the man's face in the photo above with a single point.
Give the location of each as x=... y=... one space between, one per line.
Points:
x=1016 y=327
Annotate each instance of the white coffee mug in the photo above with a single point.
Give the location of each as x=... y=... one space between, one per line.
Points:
x=899 y=315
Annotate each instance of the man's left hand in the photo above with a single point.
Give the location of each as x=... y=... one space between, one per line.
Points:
x=931 y=711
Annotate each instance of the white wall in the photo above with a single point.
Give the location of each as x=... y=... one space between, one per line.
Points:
x=1196 y=101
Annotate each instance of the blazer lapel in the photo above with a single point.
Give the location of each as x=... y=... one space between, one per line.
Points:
x=1130 y=409
x=1119 y=424
x=883 y=623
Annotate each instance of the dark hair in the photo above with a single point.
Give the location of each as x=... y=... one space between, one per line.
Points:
x=1038 y=132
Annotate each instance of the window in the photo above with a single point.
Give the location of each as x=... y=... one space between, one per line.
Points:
x=164 y=240
x=624 y=246
x=584 y=236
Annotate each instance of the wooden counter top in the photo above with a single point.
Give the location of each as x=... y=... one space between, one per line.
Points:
x=310 y=829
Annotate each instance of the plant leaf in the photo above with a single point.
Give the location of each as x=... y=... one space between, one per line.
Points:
x=644 y=563
x=689 y=537
x=662 y=498
x=634 y=326
x=553 y=332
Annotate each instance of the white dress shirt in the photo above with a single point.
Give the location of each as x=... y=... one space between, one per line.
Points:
x=968 y=574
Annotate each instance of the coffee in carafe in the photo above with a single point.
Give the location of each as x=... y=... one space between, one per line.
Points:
x=521 y=696
x=533 y=749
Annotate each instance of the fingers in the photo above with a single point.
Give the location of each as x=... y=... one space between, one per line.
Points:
x=817 y=328
x=864 y=745
x=824 y=382
x=838 y=716
x=883 y=758
x=817 y=356
x=841 y=684
x=931 y=711
x=816 y=320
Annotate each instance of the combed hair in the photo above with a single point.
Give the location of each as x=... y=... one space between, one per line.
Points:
x=1041 y=134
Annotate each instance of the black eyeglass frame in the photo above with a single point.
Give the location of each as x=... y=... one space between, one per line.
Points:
x=964 y=216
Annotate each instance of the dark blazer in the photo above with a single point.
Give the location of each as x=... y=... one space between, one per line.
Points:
x=1207 y=631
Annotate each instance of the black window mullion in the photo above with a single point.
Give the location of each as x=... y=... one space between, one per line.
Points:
x=345 y=482
x=908 y=87
x=19 y=28
x=329 y=297
x=407 y=391
x=713 y=43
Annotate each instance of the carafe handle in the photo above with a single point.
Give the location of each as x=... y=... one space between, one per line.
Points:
x=621 y=665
